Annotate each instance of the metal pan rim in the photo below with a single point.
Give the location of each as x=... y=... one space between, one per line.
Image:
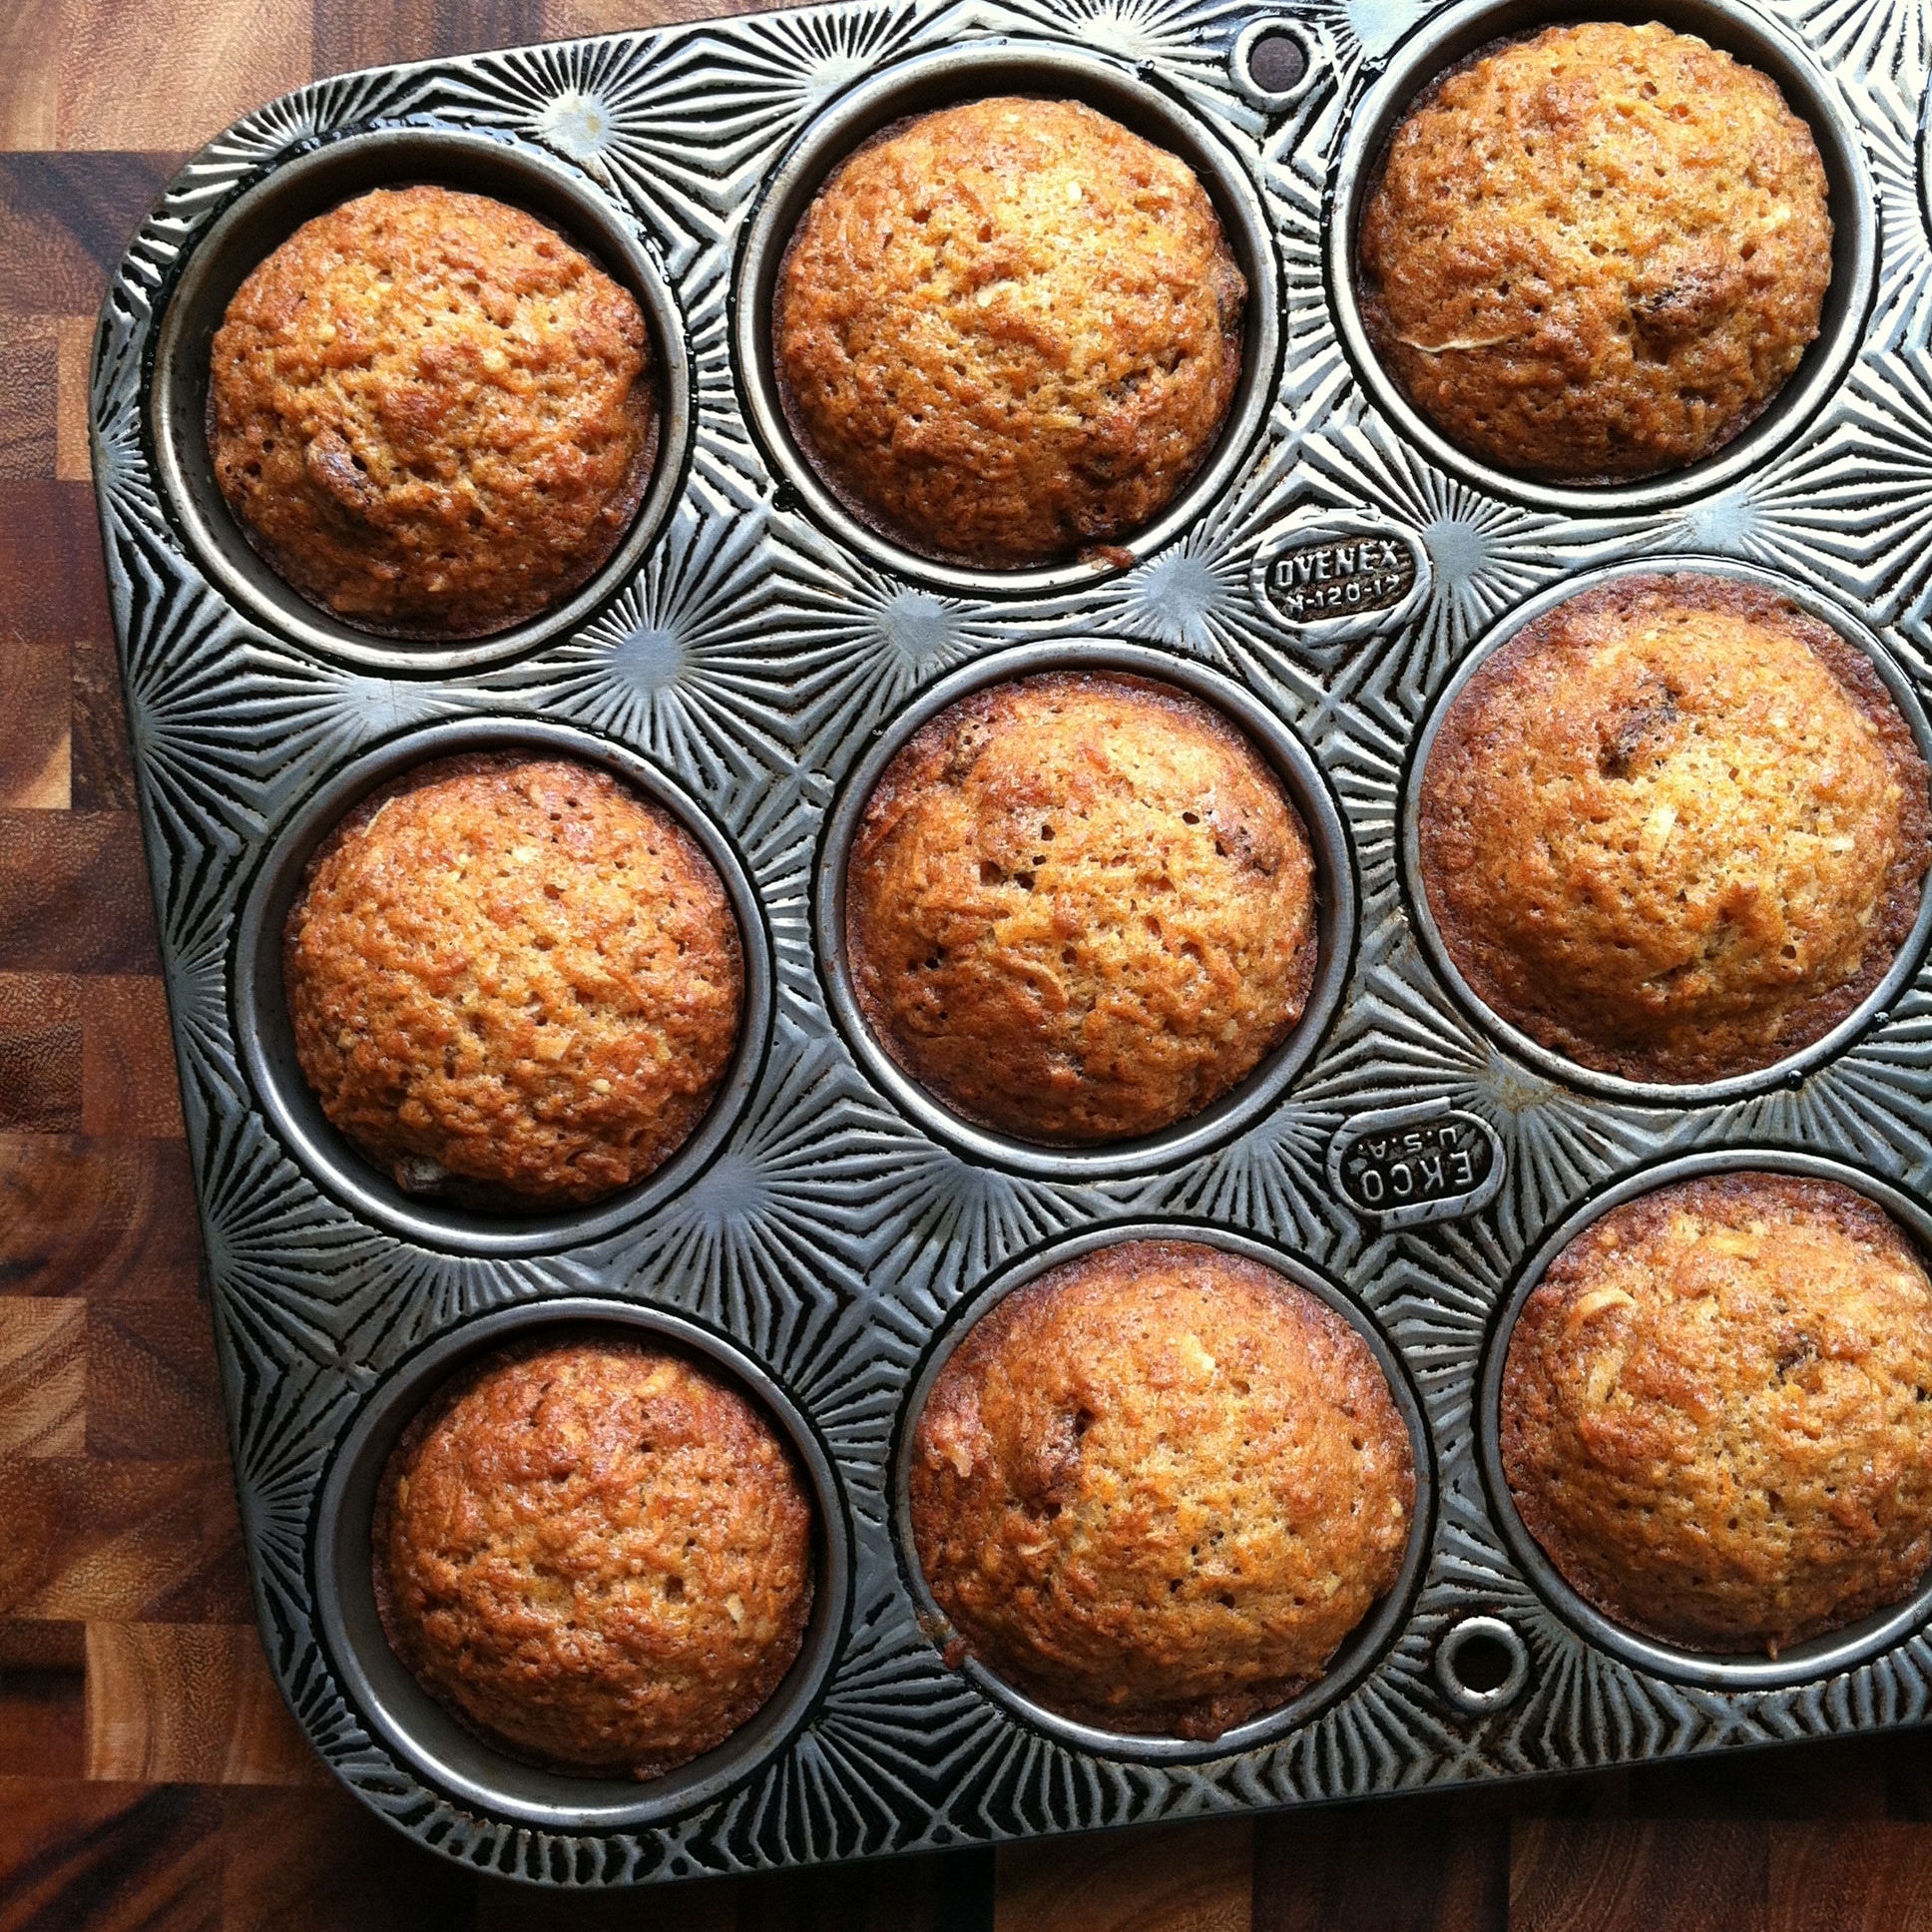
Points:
x=1829 y=1656
x=488 y=163
x=291 y=1109
x=1366 y=1646
x=399 y=1712
x=1337 y=916
x=1435 y=45
x=962 y=74
x=1794 y=1067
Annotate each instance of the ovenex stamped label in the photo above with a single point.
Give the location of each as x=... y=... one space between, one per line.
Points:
x=1330 y=578
x=1402 y=1166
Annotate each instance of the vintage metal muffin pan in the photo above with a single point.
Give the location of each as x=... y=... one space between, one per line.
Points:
x=750 y=655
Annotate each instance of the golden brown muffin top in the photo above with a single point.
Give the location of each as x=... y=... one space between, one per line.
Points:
x=596 y=1553
x=1157 y=1487
x=430 y=413
x=1675 y=829
x=514 y=973
x=1714 y=1412
x=1008 y=329
x=1080 y=908
x=1596 y=252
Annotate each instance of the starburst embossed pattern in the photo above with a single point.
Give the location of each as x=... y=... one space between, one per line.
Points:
x=753 y=660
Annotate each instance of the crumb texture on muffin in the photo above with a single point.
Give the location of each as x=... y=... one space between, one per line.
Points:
x=1596 y=252
x=1675 y=829
x=1717 y=1412
x=1008 y=329
x=1080 y=908
x=430 y=413
x=596 y=1555
x=1157 y=1488
x=513 y=981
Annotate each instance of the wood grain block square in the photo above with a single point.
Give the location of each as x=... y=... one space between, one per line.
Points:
x=153 y=1390
x=43 y=1376
x=74 y=891
x=42 y=1688
x=53 y=583
x=316 y=1861
x=29 y=72
x=1178 y=1878
x=36 y=726
x=40 y=1052
x=1612 y=1878
x=29 y=396
x=350 y=34
x=112 y=1857
x=72 y=364
x=100 y=765
x=97 y=1218
x=188 y=1703
x=128 y=1081
x=66 y=220
x=120 y=1542
x=174 y=77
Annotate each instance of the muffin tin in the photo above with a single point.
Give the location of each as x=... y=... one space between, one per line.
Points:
x=747 y=658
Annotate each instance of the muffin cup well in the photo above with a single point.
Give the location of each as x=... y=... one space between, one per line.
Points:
x=946 y=79
x=1821 y=1657
x=266 y=1039
x=1335 y=916
x=1749 y=37
x=414 y=1725
x=290 y=192
x=1360 y=1651
x=1793 y=1069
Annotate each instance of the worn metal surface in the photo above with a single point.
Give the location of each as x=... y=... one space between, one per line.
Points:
x=752 y=656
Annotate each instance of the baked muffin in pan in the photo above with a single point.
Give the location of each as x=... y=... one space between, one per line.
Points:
x=1675 y=829
x=1595 y=252
x=1717 y=1412
x=1155 y=1488
x=1008 y=330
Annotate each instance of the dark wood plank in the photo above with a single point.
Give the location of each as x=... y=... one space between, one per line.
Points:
x=1569 y=1876
x=129 y=1085
x=1405 y=1866
x=1864 y=1877
x=100 y=767
x=43 y=1701
x=36 y=730
x=30 y=383
x=53 y=583
x=43 y=1376
x=154 y=1393
x=66 y=220
x=88 y=1857
x=40 y=1060
x=350 y=36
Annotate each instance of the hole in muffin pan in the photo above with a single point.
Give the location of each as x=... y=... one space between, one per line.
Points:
x=1335 y=916
x=1793 y=1067
x=266 y=1041
x=1820 y=1657
x=1360 y=1651
x=252 y=227
x=947 y=79
x=1482 y=1665
x=1273 y=63
x=415 y=1727
x=1749 y=37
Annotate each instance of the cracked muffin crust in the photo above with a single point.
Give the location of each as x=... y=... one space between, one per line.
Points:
x=1157 y=1488
x=595 y=1554
x=1675 y=829
x=1080 y=908
x=1008 y=329
x=432 y=414
x=1596 y=254
x=513 y=982
x=1717 y=1412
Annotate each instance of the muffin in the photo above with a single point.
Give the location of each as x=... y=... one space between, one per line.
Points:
x=513 y=982
x=1079 y=908
x=430 y=413
x=1714 y=1412
x=595 y=1554
x=1675 y=829
x=1596 y=254
x=1155 y=1488
x=1007 y=331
